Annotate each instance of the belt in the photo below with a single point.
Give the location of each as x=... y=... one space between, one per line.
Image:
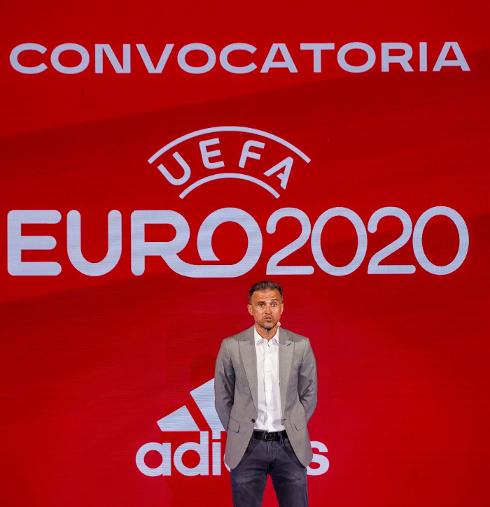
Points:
x=270 y=435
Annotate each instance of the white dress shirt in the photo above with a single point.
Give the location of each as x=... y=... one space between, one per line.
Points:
x=269 y=395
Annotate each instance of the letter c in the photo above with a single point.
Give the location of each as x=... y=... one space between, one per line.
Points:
x=24 y=69
x=235 y=69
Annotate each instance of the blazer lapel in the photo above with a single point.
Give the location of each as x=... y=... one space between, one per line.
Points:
x=285 y=358
x=249 y=359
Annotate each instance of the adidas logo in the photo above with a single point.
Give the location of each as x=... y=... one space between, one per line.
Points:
x=155 y=459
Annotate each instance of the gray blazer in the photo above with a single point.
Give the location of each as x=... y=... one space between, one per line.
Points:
x=235 y=388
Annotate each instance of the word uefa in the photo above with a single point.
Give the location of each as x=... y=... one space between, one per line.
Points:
x=237 y=58
x=170 y=251
x=212 y=165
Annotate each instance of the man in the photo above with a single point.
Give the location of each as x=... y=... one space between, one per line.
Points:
x=265 y=392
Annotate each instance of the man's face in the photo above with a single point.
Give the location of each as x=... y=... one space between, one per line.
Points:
x=266 y=308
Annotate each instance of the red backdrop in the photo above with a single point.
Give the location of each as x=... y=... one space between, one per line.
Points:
x=91 y=363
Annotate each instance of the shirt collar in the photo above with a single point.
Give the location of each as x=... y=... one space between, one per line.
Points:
x=258 y=338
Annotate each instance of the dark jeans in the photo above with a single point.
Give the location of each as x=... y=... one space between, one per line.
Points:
x=274 y=457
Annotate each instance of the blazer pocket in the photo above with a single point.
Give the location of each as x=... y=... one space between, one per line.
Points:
x=233 y=425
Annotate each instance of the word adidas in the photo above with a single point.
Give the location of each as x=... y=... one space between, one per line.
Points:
x=155 y=459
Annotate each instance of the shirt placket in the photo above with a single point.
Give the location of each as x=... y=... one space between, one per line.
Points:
x=268 y=382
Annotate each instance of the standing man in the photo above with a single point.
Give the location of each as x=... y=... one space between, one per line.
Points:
x=265 y=393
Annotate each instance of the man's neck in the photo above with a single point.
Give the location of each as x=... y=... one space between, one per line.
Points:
x=267 y=334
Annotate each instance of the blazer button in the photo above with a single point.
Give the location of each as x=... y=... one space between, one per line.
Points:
x=253 y=420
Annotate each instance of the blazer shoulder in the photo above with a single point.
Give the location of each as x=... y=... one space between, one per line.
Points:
x=228 y=342
x=295 y=337
x=236 y=337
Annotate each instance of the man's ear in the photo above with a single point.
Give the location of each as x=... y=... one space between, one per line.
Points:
x=249 y=308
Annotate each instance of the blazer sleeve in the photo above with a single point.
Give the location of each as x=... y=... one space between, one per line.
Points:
x=307 y=381
x=224 y=384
